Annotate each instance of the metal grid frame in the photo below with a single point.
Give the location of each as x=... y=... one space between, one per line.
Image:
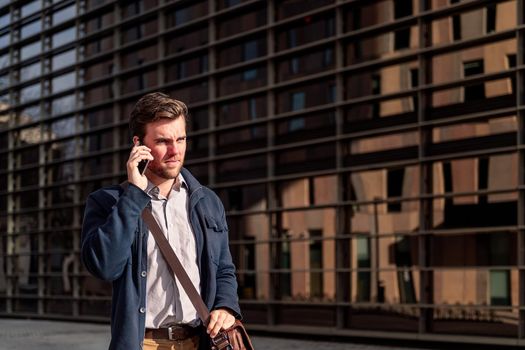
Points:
x=422 y=124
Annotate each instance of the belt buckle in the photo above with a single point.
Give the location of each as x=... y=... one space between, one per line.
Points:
x=170 y=333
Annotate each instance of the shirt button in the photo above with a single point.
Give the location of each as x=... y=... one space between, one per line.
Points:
x=142 y=310
x=143 y=273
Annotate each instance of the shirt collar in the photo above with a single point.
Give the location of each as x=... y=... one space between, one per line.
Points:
x=153 y=191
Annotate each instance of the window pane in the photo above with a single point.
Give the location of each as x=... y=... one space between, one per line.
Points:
x=5 y=60
x=4 y=40
x=31 y=8
x=29 y=114
x=31 y=71
x=63 y=127
x=4 y=81
x=64 y=14
x=183 y=15
x=5 y=20
x=63 y=59
x=242 y=23
x=30 y=50
x=31 y=29
x=63 y=105
x=63 y=82
x=29 y=93
x=64 y=37
x=241 y=168
x=308 y=30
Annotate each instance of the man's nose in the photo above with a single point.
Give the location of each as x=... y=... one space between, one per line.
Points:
x=173 y=148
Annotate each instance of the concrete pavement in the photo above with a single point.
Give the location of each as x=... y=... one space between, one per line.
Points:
x=16 y=334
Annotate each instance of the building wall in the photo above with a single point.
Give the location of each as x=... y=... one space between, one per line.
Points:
x=369 y=154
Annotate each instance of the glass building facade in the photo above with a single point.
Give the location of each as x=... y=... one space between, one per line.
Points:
x=370 y=154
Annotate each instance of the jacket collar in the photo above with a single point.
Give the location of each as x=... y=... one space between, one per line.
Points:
x=191 y=181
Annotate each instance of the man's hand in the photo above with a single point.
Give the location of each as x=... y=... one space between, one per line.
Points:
x=219 y=319
x=137 y=154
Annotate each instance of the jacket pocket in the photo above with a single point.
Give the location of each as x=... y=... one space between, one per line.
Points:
x=214 y=225
x=214 y=232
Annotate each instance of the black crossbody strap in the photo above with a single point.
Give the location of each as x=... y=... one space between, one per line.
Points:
x=175 y=265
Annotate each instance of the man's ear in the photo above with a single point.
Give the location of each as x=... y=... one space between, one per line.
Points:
x=136 y=139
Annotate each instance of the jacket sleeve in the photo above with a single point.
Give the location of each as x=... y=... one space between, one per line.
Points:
x=108 y=230
x=226 y=296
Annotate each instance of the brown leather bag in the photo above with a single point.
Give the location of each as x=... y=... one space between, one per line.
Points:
x=233 y=338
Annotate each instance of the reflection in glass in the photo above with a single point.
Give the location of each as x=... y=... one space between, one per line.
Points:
x=99 y=117
x=139 y=57
x=381 y=46
x=4 y=40
x=29 y=114
x=241 y=110
x=242 y=23
x=62 y=150
x=29 y=93
x=248 y=50
x=30 y=71
x=186 y=41
x=30 y=29
x=241 y=168
x=64 y=37
x=140 y=81
x=139 y=31
x=308 y=158
x=290 y=8
x=304 y=64
x=30 y=50
x=63 y=127
x=191 y=93
x=5 y=19
x=308 y=30
x=181 y=69
x=4 y=81
x=63 y=82
x=297 y=98
x=63 y=59
x=186 y=14
x=31 y=8
x=64 y=14
x=243 y=138
x=248 y=79
x=63 y=104
x=5 y=60
x=307 y=127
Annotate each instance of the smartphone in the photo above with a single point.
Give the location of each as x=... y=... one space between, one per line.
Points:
x=143 y=164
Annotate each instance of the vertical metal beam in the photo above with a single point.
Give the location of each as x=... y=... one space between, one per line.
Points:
x=270 y=161
x=212 y=91
x=426 y=286
x=340 y=280
x=520 y=36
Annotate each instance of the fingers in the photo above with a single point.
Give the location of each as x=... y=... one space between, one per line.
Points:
x=137 y=154
x=219 y=319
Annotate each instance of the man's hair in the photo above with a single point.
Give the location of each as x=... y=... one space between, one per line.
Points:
x=147 y=108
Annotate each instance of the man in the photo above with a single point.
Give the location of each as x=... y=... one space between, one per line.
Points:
x=150 y=310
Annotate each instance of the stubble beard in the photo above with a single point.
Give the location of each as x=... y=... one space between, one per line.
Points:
x=166 y=174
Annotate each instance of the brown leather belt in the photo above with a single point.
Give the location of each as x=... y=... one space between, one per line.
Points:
x=176 y=332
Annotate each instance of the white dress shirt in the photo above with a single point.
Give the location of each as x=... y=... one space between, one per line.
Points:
x=166 y=301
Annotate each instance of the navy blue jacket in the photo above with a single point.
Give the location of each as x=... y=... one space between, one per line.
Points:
x=114 y=242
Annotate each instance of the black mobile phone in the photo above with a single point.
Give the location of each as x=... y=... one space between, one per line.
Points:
x=143 y=164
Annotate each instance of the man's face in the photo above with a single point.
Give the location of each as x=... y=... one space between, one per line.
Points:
x=167 y=140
